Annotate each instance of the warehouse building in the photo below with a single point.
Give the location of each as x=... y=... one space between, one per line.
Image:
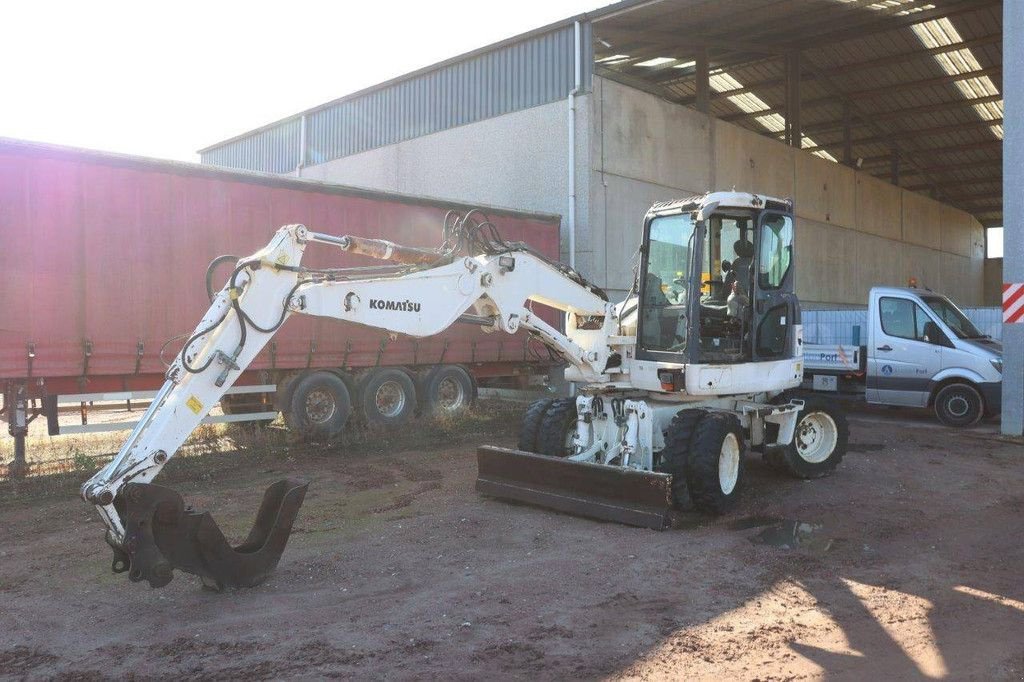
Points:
x=883 y=121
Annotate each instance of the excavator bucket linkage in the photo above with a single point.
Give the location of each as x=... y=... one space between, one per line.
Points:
x=635 y=498
x=162 y=534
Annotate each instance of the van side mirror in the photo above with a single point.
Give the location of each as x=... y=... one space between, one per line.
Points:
x=935 y=336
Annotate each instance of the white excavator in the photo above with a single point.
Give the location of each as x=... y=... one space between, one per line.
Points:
x=672 y=384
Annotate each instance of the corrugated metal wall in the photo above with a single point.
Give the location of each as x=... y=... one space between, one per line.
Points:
x=272 y=150
x=536 y=70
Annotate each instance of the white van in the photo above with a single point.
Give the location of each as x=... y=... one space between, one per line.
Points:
x=922 y=351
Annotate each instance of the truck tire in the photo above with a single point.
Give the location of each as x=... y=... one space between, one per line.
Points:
x=959 y=405
x=557 y=428
x=819 y=441
x=675 y=456
x=715 y=471
x=446 y=390
x=387 y=397
x=530 y=425
x=319 y=406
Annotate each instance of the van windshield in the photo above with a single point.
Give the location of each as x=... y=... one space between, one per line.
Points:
x=953 y=317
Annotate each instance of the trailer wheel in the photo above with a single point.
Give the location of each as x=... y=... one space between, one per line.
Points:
x=388 y=397
x=716 y=469
x=447 y=390
x=319 y=406
x=819 y=441
x=557 y=429
x=676 y=453
x=959 y=405
x=530 y=425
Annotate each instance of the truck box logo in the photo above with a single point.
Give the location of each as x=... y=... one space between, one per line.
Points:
x=404 y=306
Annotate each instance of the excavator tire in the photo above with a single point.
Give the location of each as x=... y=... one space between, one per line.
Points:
x=319 y=406
x=675 y=456
x=530 y=425
x=819 y=441
x=716 y=472
x=558 y=425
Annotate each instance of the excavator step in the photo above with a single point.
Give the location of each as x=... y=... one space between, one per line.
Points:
x=609 y=493
x=161 y=534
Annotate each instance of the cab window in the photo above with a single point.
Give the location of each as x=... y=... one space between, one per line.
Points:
x=904 y=319
x=776 y=251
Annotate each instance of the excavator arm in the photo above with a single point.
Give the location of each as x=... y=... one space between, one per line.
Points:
x=422 y=293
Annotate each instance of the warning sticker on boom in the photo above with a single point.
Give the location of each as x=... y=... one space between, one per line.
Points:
x=194 y=404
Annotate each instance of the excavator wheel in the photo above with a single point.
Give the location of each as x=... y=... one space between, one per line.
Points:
x=675 y=456
x=557 y=429
x=530 y=425
x=716 y=472
x=819 y=441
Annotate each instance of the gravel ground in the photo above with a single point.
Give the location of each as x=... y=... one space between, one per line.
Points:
x=903 y=565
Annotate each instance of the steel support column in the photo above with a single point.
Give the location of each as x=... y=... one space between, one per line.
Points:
x=1013 y=211
x=793 y=128
x=703 y=80
x=847 y=137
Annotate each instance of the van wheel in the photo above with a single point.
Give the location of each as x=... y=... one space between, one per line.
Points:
x=388 y=397
x=319 y=406
x=959 y=405
x=447 y=390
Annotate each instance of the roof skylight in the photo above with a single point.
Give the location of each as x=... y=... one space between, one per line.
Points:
x=750 y=103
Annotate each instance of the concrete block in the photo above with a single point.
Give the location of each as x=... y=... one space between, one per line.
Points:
x=626 y=204
x=649 y=139
x=825 y=191
x=924 y=264
x=957 y=231
x=878 y=207
x=751 y=162
x=921 y=220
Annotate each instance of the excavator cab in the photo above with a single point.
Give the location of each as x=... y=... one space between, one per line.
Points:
x=716 y=284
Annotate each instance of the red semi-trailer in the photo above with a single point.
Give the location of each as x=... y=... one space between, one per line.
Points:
x=103 y=259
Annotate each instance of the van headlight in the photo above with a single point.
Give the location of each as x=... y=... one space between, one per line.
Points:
x=998 y=364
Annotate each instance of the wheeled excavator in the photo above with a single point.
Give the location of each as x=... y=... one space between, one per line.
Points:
x=671 y=385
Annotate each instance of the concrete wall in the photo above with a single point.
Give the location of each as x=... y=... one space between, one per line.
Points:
x=519 y=160
x=633 y=149
x=994 y=282
x=853 y=231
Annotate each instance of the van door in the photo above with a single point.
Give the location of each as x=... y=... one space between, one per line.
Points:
x=901 y=358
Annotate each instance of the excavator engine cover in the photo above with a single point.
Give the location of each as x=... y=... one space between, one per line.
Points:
x=162 y=534
x=609 y=493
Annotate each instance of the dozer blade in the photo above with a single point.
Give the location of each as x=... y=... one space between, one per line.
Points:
x=635 y=498
x=161 y=534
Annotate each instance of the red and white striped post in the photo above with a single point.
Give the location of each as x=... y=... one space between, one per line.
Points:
x=1013 y=302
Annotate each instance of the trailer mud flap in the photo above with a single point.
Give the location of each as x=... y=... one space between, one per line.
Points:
x=161 y=534
x=635 y=498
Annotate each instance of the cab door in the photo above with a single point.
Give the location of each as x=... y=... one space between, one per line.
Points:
x=902 y=358
x=776 y=311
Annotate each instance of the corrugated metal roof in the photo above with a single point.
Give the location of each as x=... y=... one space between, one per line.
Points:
x=864 y=54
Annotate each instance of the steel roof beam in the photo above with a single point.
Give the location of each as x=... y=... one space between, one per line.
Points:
x=937 y=130
x=832 y=126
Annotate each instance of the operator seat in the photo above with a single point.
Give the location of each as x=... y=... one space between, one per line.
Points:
x=741 y=266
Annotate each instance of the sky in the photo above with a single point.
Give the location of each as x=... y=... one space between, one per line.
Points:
x=166 y=79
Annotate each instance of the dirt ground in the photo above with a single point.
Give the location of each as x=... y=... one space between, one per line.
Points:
x=909 y=566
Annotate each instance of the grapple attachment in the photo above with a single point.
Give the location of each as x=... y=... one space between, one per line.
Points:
x=161 y=534
x=635 y=498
